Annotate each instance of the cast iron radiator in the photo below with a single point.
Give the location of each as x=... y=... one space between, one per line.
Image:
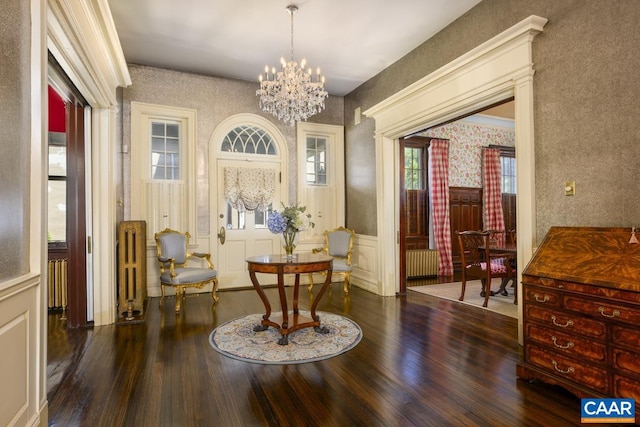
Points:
x=422 y=263
x=57 y=286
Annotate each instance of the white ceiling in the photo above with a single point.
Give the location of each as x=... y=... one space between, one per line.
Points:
x=350 y=40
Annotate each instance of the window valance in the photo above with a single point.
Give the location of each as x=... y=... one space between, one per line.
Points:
x=249 y=189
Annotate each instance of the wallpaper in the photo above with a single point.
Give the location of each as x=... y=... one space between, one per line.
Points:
x=465 y=148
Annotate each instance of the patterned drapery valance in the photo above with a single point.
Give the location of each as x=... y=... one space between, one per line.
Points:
x=249 y=189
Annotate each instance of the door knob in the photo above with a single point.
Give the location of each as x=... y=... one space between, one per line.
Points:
x=222 y=235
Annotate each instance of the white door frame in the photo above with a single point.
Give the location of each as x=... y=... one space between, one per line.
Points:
x=496 y=70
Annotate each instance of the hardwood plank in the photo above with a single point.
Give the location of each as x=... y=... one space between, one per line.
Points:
x=421 y=361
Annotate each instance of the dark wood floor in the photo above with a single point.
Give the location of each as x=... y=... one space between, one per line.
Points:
x=422 y=361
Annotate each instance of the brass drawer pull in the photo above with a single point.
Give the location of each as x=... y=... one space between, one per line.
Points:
x=569 y=370
x=614 y=313
x=569 y=322
x=537 y=297
x=569 y=344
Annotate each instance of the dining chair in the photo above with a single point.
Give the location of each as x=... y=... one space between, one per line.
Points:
x=479 y=262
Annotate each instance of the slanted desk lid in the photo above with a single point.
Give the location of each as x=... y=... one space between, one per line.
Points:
x=592 y=255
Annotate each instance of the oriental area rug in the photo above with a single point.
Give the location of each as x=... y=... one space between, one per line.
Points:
x=237 y=339
x=499 y=304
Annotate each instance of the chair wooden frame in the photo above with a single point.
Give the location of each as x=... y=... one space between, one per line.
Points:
x=479 y=262
x=175 y=266
x=339 y=256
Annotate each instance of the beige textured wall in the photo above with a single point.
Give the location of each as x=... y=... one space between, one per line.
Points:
x=215 y=99
x=15 y=116
x=586 y=96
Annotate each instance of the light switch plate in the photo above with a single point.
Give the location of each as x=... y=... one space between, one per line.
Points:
x=570 y=188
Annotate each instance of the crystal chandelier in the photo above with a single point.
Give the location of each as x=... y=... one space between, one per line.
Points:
x=293 y=93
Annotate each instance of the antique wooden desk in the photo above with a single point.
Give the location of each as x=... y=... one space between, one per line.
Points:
x=281 y=265
x=581 y=305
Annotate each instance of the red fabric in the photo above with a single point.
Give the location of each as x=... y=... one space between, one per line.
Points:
x=57 y=112
x=497 y=266
x=492 y=193
x=439 y=159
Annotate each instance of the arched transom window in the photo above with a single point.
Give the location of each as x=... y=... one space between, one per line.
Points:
x=249 y=139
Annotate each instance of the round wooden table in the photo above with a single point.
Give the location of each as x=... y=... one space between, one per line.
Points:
x=281 y=265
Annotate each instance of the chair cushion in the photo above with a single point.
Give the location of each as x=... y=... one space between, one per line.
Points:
x=497 y=266
x=340 y=265
x=185 y=276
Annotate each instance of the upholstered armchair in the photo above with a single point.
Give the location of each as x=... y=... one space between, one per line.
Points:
x=174 y=259
x=338 y=244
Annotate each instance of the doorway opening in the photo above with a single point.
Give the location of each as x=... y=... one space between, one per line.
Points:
x=67 y=236
x=490 y=127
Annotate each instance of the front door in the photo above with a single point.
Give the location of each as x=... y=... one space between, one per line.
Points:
x=245 y=233
x=252 y=145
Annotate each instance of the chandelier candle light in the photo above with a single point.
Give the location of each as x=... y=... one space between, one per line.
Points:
x=293 y=93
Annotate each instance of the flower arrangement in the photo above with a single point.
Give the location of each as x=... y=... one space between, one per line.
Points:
x=289 y=221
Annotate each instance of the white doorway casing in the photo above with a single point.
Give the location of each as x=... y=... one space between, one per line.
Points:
x=496 y=70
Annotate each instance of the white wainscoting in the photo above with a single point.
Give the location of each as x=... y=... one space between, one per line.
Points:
x=19 y=335
x=365 y=270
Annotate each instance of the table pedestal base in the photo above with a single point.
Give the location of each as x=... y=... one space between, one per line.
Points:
x=290 y=321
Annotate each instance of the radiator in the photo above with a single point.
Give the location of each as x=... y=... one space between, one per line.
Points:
x=57 y=289
x=422 y=262
x=132 y=268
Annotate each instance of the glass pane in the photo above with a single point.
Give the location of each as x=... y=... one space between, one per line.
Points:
x=158 y=172
x=157 y=144
x=57 y=211
x=173 y=130
x=173 y=146
x=261 y=218
x=58 y=161
x=235 y=219
x=157 y=129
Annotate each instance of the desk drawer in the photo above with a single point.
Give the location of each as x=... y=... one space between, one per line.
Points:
x=628 y=337
x=577 y=372
x=627 y=361
x=602 y=310
x=568 y=322
x=548 y=297
x=568 y=344
x=626 y=387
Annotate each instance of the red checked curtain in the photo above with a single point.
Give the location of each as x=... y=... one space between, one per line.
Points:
x=439 y=169
x=493 y=215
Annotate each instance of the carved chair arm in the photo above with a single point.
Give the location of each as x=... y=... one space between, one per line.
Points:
x=163 y=265
x=318 y=250
x=206 y=257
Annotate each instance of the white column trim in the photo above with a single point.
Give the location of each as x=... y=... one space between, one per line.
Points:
x=496 y=70
x=81 y=36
